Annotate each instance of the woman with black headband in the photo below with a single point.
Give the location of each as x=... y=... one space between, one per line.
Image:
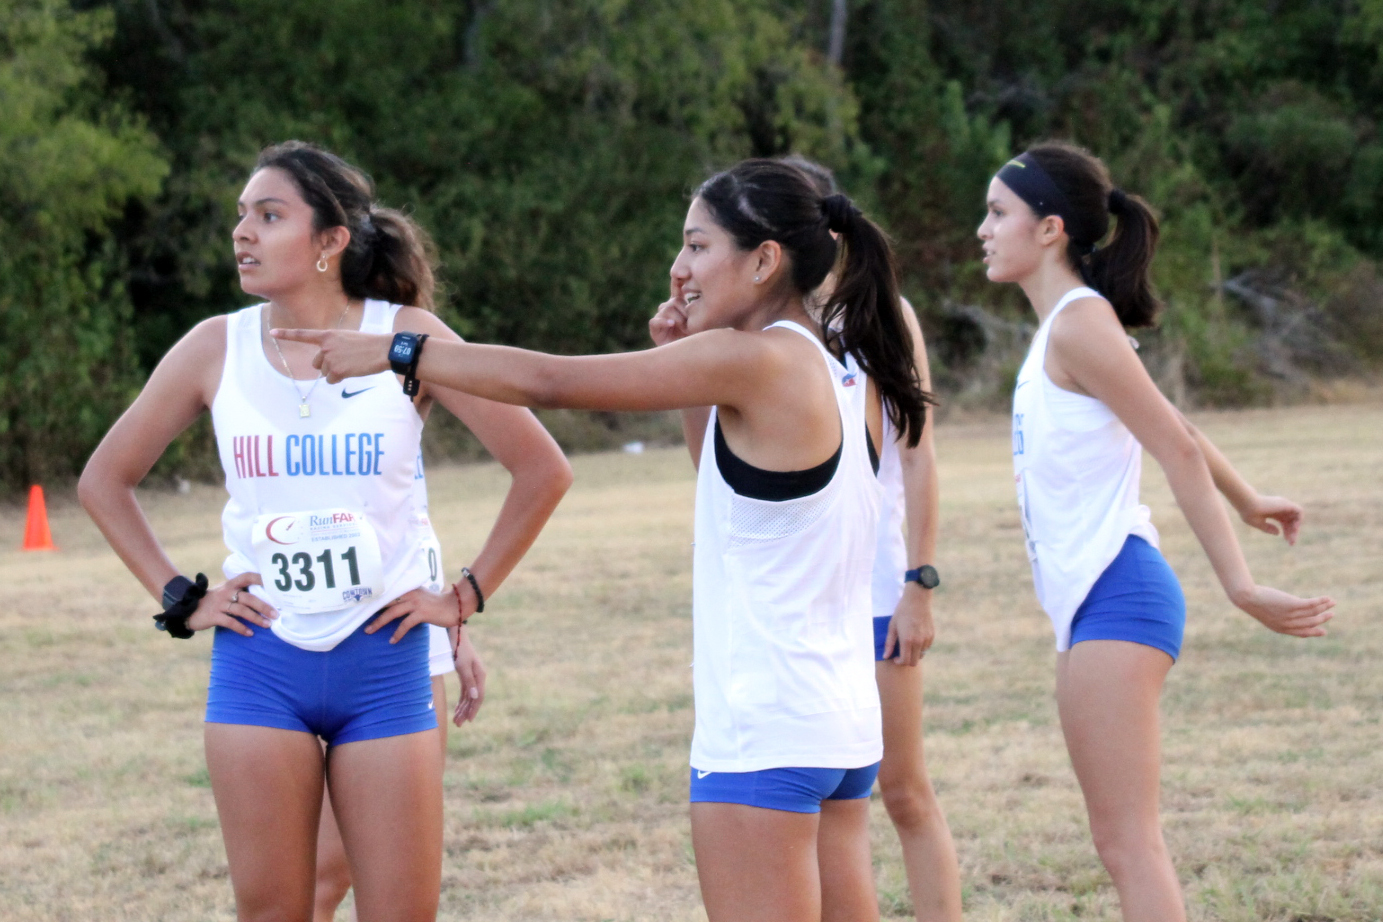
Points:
x=1084 y=410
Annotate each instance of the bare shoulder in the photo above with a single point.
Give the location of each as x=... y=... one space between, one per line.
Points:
x=202 y=346
x=417 y=320
x=910 y=317
x=1085 y=324
x=191 y=370
x=1090 y=353
x=779 y=345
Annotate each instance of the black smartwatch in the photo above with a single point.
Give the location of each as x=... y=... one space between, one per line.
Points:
x=924 y=576
x=404 y=353
x=180 y=598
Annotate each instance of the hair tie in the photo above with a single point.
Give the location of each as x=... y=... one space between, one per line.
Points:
x=838 y=211
x=1118 y=201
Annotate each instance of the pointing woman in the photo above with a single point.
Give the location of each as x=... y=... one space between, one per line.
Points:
x=903 y=580
x=1084 y=409
x=320 y=476
x=787 y=735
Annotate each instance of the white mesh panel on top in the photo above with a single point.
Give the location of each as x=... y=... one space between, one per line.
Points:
x=761 y=520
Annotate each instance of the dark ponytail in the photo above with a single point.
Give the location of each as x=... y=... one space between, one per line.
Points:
x=760 y=200
x=389 y=256
x=1118 y=270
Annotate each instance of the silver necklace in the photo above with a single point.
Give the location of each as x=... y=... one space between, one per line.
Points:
x=304 y=410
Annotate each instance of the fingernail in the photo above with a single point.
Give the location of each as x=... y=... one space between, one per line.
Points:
x=475 y=693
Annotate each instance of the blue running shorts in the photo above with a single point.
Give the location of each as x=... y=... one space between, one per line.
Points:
x=796 y=790
x=364 y=688
x=881 y=637
x=1137 y=598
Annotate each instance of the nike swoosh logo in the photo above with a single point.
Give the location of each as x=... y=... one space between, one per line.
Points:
x=700 y=774
x=349 y=394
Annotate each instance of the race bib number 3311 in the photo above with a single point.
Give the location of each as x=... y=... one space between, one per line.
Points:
x=318 y=561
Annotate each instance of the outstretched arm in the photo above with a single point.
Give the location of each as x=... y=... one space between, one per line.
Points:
x=1272 y=514
x=540 y=477
x=1091 y=348
x=716 y=367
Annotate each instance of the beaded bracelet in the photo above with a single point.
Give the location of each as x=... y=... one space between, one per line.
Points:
x=475 y=586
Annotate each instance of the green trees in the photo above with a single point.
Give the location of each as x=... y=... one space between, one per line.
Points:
x=68 y=164
x=550 y=148
x=1252 y=127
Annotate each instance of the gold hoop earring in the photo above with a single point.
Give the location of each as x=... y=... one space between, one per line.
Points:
x=322 y=264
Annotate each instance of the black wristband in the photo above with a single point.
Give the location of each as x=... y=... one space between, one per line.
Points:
x=180 y=598
x=479 y=596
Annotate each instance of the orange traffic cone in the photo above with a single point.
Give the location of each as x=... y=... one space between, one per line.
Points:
x=37 y=537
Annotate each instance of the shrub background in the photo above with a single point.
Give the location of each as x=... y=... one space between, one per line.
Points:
x=550 y=148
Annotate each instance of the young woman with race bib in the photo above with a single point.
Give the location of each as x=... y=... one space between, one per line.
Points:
x=324 y=550
x=1084 y=409
x=787 y=738
x=903 y=580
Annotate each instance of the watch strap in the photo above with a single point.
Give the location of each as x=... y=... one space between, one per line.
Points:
x=180 y=598
x=410 y=377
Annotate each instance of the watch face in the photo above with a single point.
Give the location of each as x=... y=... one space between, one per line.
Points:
x=924 y=576
x=401 y=350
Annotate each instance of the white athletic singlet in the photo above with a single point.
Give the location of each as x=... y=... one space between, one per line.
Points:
x=439 y=661
x=784 y=653
x=890 y=552
x=320 y=506
x=1076 y=466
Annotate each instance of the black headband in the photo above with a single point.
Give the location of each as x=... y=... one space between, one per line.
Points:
x=1034 y=185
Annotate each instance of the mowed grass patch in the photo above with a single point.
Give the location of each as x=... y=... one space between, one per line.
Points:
x=566 y=801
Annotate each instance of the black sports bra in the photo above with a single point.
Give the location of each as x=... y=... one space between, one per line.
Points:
x=777 y=486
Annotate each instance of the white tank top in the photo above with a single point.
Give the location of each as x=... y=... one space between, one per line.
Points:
x=890 y=552
x=439 y=661
x=1076 y=466
x=784 y=654
x=320 y=506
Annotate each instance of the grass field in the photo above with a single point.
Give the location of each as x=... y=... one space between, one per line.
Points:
x=567 y=800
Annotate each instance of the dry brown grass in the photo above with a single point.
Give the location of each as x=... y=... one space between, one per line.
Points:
x=566 y=801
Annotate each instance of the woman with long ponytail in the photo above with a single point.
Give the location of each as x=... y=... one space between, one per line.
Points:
x=1084 y=411
x=903 y=583
x=787 y=739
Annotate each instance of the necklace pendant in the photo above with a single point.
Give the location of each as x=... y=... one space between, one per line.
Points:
x=304 y=410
